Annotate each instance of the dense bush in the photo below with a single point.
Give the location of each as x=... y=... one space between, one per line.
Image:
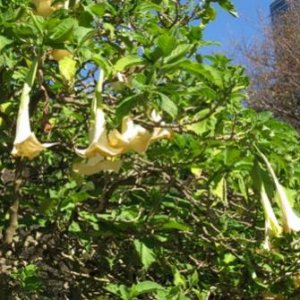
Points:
x=181 y=220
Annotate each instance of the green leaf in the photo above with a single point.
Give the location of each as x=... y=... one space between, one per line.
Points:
x=219 y=189
x=127 y=61
x=179 y=52
x=63 y=30
x=231 y=156
x=38 y=23
x=125 y=292
x=81 y=34
x=179 y=280
x=215 y=75
x=175 y=225
x=126 y=105
x=98 y=9
x=227 y=5
x=144 y=7
x=229 y=258
x=147 y=256
x=67 y=68
x=146 y=287
x=206 y=71
x=4 y=41
x=166 y=44
x=168 y=105
x=113 y=288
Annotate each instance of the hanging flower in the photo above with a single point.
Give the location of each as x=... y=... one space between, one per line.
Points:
x=290 y=220
x=26 y=144
x=272 y=227
x=98 y=155
x=103 y=146
x=97 y=164
x=137 y=138
x=99 y=144
x=132 y=137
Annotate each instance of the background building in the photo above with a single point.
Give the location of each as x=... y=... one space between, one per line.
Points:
x=278 y=7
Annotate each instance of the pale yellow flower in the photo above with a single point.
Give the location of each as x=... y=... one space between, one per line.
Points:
x=290 y=220
x=99 y=144
x=272 y=227
x=137 y=138
x=95 y=165
x=26 y=143
x=97 y=156
x=132 y=137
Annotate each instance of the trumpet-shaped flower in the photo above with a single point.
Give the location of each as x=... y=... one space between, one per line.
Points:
x=272 y=227
x=99 y=152
x=95 y=165
x=137 y=138
x=26 y=143
x=290 y=220
x=132 y=137
x=99 y=144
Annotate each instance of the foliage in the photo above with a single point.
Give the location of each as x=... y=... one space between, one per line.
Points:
x=181 y=221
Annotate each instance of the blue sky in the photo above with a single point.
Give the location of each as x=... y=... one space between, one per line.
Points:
x=227 y=29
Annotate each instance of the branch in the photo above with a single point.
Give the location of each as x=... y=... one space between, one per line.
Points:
x=14 y=208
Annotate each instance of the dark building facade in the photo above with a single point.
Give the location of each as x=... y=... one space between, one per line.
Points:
x=285 y=17
x=278 y=7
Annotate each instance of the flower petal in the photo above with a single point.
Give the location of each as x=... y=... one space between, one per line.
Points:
x=161 y=133
x=30 y=147
x=99 y=142
x=95 y=165
x=132 y=137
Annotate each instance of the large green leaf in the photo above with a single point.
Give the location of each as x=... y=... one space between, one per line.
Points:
x=127 y=61
x=4 y=41
x=168 y=105
x=67 y=68
x=63 y=30
x=146 y=254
